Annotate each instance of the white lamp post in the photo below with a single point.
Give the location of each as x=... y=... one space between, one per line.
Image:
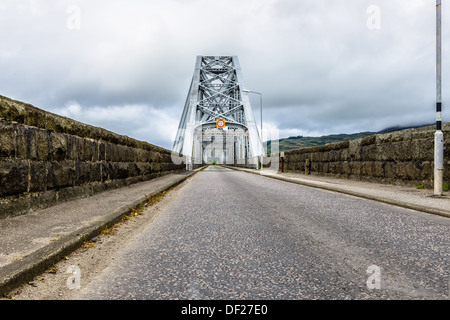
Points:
x=438 y=136
x=260 y=104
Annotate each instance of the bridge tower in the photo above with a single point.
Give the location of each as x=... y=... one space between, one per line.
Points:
x=216 y=93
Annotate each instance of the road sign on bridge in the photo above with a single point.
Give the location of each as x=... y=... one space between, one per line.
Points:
x=220 y=123
x=217 y=101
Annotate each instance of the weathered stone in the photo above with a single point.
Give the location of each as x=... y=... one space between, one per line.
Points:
x=35 y=117
x=72 y=193
x=378 y=169
x=38 y=176
x=38 y=200
x=59 y=146
x=11 y=110
x=102 y=151
x=53 y=123
x=106 y=171
x=82 y=172
x=368 y=140
x=369 y=152
x=49 y=157
x=13 y=177
x=354 y=150
x=422 y=149
x=14 y=205
x=7 y=140
x=61 y=174
x=26 y=143
x=95 y=172
x=43 y=145
x=93 y=150
x=73 y=147
x=120 y=170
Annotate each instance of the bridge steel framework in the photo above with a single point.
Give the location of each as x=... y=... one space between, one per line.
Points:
x=216 y=92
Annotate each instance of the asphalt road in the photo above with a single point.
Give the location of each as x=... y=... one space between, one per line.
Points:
x=234 y=235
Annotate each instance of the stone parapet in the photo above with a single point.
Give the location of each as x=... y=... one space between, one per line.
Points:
x=402 y=158
x=46 y=158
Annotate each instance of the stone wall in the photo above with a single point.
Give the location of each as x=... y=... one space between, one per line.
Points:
x=46 y=158
x=402 y=158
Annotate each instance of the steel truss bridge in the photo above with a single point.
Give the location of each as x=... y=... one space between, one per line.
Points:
x=216 y=93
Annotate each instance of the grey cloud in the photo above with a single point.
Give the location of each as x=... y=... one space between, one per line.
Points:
x=319 y=67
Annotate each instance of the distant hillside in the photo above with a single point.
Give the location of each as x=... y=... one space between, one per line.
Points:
x=304 y=142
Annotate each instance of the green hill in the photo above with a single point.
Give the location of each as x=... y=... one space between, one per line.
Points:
x=304 y=142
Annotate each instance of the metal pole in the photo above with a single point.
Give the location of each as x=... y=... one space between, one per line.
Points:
x=261 y=137
x=438 y=136
x=262 y=155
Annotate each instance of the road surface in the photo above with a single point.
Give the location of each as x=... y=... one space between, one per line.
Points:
x=234 y=235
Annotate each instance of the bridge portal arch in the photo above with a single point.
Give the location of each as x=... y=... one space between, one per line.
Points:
x=216 y=92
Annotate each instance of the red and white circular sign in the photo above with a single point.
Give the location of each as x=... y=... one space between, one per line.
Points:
x=220 y=123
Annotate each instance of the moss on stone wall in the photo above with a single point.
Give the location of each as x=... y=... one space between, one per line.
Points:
x=45 y=158
x=402 y=157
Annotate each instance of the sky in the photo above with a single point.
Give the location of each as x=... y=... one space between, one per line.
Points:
x=322 y=66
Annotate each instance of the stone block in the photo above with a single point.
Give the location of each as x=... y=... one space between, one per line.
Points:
x=11 y=110
x=38 y=176
x=369 y=152
x=133 y=169
x=155 y=157
x=61 y=174
x=141 y=155
x=355 y=168
x=345 y=168
x=74 y=147
x=53 y=123
x=59 y=146
x=354 y=150
x=120 y=170
x=106 y=171
x=385 y=152
x=390 y=170
x=26 y=146
x=143 y=168
x=325 y=168
x=40 y=200
x=7 y=140
x=334 y=167
x=43 y=145
x=14 y=206
x=35 y=117
x=102 y=151
x=108 y=152
x=13 y=177
x=378 y=169
x=85 y=153
x=130 y=154
x=407 y=170
x=155 y=167
x=92 y=147
x=366 y=141
x=95 y=172
x=422 y=149
x=75 y=192
x=118 y=153
x=82 y=173
x=403 y=151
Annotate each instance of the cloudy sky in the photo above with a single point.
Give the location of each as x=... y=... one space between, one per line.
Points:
x=323 y=66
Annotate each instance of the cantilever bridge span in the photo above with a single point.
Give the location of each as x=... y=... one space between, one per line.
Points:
x=216 y=96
